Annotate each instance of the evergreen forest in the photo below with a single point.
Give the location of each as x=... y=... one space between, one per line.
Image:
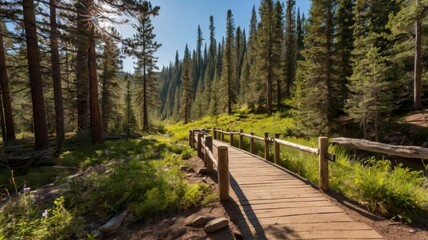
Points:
x=84 y=141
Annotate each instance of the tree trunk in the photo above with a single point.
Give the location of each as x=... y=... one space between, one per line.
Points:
x=36 y=83
x=2 y=126
x=417 y=103
x=145 y=111
x=97 y=133
x=4 y=83
x=82 y=75
x=56 y=77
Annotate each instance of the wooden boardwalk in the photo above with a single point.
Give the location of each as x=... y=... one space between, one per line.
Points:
x=270 y=203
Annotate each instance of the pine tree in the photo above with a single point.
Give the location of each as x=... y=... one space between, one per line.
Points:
x=290 y=47
x=370 y=84
x=278 y=50
x=82 y=72
x=299 y=35
x=411 y=15
x=248 y=83
x=186 y=85
x=130 y=115
x=109 y=83
x=314 y=89
x=36 y=82
x=56 y=77
x=228 y=82
x=266 y=63
x=143 y=46
x=9 y=127
x=344 y=45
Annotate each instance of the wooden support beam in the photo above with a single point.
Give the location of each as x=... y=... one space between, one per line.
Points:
x=208 y=161
x=222 y=135
x=231 y=137
x=276 y=153
x=241 y=139
x=223 y=172
x=199 y=149
x=252 y=150
x=267 y=146
x=323 y=163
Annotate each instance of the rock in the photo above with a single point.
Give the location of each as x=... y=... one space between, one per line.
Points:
x=177 y=232
x=197 y=219
x=190 y=170
x=201 y=220
x=113 y=225
x=216 y=224
x=166 y=222
x=425 y=144
x=203 y=171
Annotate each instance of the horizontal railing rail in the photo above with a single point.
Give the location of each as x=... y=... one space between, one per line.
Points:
x=321 y=151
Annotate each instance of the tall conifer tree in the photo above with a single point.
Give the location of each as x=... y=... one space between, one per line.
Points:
x=228 y=81
x=315 y=74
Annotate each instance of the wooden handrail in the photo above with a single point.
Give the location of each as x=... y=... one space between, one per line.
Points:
x=322 y=150
x=388 y=149
x=297 y=146
x=204 y=141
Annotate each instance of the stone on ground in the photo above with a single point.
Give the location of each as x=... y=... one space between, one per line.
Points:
x=216 y=224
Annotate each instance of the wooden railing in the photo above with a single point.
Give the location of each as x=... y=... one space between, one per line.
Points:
x=203 y=143
x=321 y=151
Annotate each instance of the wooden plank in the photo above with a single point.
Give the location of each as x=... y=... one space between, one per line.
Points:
x=276 y=205
x=321 y=234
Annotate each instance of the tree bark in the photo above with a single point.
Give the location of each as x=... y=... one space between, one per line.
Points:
x=97 y=133
x=56 y=77
x=4 y=83
x=417 y=103
x=82 y=75
x=2 y=126
x=36 y=83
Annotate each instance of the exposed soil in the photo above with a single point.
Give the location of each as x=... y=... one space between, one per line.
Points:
x=168 y=226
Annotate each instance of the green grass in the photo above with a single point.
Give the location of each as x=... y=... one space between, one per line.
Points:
x=140 y=176
x=395 y=192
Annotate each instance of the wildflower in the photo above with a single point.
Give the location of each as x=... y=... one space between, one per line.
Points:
x=45 y=213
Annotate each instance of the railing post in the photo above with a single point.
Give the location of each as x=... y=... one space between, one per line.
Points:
x=252 y=143
x=191 y=138
x=323 y=163
x=200 y=135
x=276 y=146
x=214 y=133
x=231 y=137
x=241 y=139
x=222 y=135
x=223 y=172
x=266 y=146
x=208 y=161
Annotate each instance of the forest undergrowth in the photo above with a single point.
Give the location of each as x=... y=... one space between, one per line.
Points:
x=139 y=176
x=391 y=190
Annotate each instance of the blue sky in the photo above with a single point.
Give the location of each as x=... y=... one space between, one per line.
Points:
x=178 y=21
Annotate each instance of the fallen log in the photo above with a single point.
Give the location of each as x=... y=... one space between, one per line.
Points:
x=388 y=149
